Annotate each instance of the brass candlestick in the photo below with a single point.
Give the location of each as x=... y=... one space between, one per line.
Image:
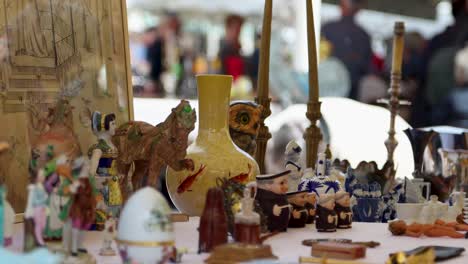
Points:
x=312 y=135
x=394 y=103
x=263 y=97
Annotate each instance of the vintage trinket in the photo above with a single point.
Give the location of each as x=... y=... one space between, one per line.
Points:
x=439 y=229
x=213 y=152
x=293 y=156
x=81 y=214
x=244 y=118
x=299 y=214
x=338 y=250
x=234 y=253
x=103 y=156
x=213 y=222
x=271 y=195
x=108 y=237
x=311 y=200
x=327 y=219
x=150 y=147
x=247 y=221
x=36 y=209
x=343 y=210
x=145 y=232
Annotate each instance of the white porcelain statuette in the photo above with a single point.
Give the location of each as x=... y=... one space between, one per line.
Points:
x=293 y=156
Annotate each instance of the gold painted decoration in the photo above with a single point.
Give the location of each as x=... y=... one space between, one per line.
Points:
x=52 y=52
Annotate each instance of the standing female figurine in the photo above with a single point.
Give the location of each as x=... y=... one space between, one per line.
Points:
x=82 y=210
x=36 y=207
x=103 y=157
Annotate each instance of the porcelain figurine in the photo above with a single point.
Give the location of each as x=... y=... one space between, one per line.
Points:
x=82 y=209
x=58 y=171
x=433 y=210
x=152 y=147
x=36 y=207
x=457 y=201
x=244 y=118
x=327 y=219
x=293 y=156
x=103 y=156
x=299 y=214
x=311 y=201
x=247 y=221
x=108 y=237
x=271 y=196
x=343 y=210
x=321 y=183
x=213 y=222
x=390 y=201
x=307 y=176
x=7 y=219
x=145 y=233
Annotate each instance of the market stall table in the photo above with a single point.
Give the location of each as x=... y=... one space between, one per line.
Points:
x=288 y=246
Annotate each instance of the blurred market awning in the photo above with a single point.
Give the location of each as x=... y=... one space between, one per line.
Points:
x=413 y=8
x=253 y=8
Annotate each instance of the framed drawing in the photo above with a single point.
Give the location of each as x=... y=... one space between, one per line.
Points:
x=53 y=51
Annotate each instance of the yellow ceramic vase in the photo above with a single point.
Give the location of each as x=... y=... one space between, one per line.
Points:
x=213 y=152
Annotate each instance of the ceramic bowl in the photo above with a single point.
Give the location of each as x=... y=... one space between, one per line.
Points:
x=145 y=233
x=408 y=212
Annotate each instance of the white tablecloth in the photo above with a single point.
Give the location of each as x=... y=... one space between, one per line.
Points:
x=287 y=246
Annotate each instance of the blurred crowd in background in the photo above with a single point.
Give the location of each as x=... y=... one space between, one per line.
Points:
x=167 y=57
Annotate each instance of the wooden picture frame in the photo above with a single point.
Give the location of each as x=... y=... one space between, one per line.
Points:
x=76 y=50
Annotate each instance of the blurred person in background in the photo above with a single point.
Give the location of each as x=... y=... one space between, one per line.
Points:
x=254 y=61
x=350 y=42
x=232 y=62
x=155 y=57
x=163 y=56
x=453 y=109
x=438 y=61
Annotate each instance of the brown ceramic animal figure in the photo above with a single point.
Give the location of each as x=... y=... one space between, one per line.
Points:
x=213 y=222
x=244 y=118
x=151 y=147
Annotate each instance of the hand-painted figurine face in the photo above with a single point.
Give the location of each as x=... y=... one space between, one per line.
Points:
x=298 y=199
x=40 y=176
x=112 y=128
x=328 y=203
x=311 y=198
x=344 y=200
x=278 y=185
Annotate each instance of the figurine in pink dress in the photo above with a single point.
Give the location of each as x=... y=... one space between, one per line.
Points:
x=36 y=207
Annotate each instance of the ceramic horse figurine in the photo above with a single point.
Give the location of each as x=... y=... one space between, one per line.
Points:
x=150 y=147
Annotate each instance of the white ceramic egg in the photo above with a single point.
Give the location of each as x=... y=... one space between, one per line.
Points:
x=145 y=232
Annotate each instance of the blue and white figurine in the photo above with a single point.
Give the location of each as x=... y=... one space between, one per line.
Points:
x=321 y=183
